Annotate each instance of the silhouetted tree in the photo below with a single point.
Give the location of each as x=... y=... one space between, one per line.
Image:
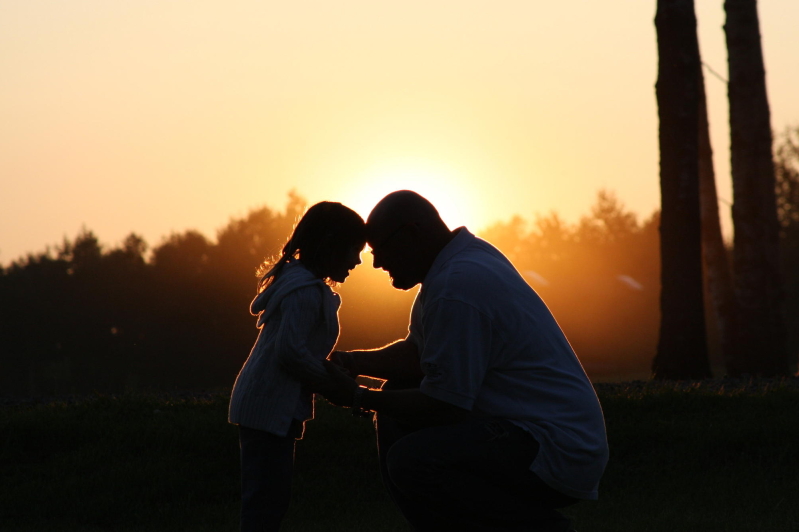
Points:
x=183 y=256
x=32 y=310
x=244 y=243
x=786 y=166
x=682 y=347
x=718 y=275
x=758 y=280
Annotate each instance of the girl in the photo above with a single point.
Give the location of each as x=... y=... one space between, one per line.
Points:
x=298 y=319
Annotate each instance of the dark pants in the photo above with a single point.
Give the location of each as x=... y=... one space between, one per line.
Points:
x=267 y=462
x=470 y=476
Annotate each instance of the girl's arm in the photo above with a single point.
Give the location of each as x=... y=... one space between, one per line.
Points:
x=299 y=321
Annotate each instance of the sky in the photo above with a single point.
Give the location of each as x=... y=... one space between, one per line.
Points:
x=159 y=116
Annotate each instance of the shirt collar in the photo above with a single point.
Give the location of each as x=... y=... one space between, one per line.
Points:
x=462 y=239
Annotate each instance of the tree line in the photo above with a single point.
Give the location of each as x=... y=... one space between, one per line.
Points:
x=82 y=317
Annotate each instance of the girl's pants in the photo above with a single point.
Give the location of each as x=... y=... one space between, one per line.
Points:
x=267 y=462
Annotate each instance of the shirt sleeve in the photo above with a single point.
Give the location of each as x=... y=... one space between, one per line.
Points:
x=456 y=353
x=301 y=316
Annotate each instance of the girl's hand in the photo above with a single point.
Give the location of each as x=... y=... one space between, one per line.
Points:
x=339 y=388
x=345 y=361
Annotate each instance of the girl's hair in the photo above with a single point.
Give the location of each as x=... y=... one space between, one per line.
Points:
x=322 y=236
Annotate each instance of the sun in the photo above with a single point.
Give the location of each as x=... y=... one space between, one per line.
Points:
x=445 y=189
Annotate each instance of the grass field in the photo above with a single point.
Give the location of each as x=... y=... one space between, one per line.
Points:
x=683 y=458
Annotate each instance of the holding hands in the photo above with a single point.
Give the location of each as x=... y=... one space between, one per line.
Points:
x=340 y=387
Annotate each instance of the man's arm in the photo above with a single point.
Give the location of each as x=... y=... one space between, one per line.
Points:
x=413 y=407
x=399 y=360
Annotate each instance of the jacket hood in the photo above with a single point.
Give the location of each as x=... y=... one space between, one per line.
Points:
x=293 y=277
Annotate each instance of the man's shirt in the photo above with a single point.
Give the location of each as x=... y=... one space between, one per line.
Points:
x=489 y=344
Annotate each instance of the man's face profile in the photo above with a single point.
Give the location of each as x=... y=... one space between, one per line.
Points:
x=392 y=252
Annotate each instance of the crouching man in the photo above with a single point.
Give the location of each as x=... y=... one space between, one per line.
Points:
x=487 y=420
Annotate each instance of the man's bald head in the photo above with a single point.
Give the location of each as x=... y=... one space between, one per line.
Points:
x=406 y=234
x=404 y=207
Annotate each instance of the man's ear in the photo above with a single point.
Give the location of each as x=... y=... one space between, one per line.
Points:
x=415 y=228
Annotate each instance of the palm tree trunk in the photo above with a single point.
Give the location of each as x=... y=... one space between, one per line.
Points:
x=682 y=345
x=718 y=276
x=758 y=281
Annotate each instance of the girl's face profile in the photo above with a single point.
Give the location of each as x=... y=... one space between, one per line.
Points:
x=347 y=261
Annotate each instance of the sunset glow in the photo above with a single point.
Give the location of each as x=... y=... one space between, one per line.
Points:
x=158 y=117
x=443 y=187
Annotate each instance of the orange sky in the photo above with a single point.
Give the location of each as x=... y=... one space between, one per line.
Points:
x=159 y=116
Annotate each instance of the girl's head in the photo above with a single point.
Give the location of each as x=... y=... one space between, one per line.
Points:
x=328 y=240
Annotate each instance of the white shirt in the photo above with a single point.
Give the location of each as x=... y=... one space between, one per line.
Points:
x=489 y=344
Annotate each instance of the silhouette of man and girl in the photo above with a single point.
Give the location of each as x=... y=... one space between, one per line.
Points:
x=486 y=420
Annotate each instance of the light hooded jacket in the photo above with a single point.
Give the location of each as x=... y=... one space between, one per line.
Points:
x=298 y=322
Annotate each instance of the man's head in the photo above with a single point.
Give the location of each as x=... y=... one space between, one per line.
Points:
x=406 y=234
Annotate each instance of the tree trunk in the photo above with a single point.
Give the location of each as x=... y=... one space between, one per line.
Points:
x=682 y=346
x=718 y=276
x=758 y=282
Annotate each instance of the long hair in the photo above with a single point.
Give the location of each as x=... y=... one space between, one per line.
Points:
x=322 y=236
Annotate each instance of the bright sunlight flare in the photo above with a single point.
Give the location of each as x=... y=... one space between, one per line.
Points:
x=442 y=185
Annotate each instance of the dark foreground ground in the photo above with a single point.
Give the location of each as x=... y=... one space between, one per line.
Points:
x=709 y=456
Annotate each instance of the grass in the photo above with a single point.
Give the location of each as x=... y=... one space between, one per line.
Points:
x=694 y=460
x=681 y=459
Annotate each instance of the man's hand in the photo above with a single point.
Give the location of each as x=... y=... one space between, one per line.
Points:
x=339 y=388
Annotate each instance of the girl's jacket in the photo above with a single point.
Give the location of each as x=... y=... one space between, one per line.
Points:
x=298 y=322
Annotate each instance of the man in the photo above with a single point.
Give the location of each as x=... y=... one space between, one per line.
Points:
x=487 y=420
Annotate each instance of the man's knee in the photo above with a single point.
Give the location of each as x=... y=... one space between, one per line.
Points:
x=399 y=463
x=408 y=467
